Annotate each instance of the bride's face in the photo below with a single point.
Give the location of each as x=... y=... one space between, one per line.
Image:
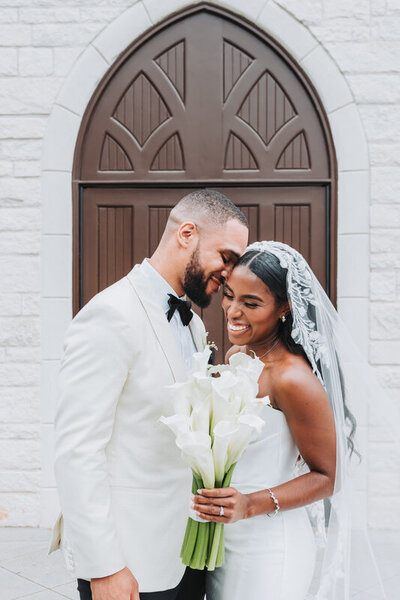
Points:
x=250 y=308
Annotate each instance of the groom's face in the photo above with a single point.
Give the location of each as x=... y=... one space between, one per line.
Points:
x=213 y=260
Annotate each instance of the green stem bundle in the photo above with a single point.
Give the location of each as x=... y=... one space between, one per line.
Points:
x=203 y=544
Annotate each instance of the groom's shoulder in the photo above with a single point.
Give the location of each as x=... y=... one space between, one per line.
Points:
x=198 y=320
x=117 y=298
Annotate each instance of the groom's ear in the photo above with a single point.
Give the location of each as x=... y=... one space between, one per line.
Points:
x=187 y=234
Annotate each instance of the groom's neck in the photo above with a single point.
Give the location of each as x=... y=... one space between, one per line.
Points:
x=165 y=266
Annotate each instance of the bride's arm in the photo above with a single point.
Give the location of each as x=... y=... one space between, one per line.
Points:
x=299 y=394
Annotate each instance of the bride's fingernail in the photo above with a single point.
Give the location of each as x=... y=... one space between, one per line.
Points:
x=199 y=492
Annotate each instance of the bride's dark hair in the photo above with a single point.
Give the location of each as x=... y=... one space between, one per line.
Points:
x=266 y=266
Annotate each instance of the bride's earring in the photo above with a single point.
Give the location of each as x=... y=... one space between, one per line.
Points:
x=283 y=318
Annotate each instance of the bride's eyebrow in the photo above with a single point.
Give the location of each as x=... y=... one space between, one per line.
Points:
x=252 y=297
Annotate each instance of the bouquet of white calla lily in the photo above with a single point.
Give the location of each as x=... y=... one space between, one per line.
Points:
x=216 y=418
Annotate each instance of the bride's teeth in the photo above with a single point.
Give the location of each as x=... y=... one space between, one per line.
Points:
x=237 y=327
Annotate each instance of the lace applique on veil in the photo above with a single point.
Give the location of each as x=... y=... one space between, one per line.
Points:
x=299 y=282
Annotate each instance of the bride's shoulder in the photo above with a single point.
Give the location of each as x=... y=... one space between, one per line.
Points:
x=233 y=350
x=294 y=374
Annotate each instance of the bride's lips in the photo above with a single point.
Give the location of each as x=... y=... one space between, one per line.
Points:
x=237 y=329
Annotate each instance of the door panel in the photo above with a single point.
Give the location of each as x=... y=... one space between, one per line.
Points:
x=121 y=226
x=203 y=97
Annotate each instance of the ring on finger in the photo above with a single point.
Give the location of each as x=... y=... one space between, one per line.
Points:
x=221 y=511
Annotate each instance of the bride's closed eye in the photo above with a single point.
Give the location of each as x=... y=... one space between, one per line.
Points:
x=247 y=304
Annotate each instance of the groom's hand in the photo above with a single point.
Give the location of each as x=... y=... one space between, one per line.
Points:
x=119 y=586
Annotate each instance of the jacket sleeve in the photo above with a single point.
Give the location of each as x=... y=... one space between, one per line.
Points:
x=97 y=354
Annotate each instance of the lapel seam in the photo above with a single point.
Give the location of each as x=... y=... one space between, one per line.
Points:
x=152 y=327
x=196 y=335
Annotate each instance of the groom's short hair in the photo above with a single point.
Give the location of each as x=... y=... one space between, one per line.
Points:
x=213 y=206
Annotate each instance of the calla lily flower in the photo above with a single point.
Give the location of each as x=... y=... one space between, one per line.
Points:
x=242 y=361
x=214 y=369
x=202 y=384
x=179 y=424
x=223 y=434
x=201 y=416
x=247 y=425
x=200 y=360
x=179 y=393
x=254 y=405
x=225 y=385
x=225 y=401
x=196 y=451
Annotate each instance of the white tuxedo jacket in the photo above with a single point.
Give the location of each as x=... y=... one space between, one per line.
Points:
x=123 y=486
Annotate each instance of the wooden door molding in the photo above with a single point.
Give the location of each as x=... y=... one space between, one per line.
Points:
x=204 y=98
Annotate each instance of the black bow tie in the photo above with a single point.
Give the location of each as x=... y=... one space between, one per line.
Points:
x=183 y=308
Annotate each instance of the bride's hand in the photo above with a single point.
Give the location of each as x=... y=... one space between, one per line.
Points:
x=207 y=505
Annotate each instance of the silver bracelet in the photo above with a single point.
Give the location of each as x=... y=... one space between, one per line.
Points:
x=277 y=507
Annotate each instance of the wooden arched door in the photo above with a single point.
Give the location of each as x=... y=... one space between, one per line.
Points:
x=202 y=100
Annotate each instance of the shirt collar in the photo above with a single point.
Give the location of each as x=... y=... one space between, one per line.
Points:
x=160 y=286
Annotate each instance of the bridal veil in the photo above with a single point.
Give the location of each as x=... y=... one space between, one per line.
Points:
x=346 y=566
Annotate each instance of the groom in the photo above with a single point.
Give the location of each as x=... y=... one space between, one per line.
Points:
x=123 y=487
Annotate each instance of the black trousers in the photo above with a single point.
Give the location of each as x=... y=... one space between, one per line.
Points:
x=191 y=587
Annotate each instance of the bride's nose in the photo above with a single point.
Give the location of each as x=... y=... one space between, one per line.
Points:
x=234 y=310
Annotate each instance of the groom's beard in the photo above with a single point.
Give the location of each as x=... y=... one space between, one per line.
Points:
x=195 y=283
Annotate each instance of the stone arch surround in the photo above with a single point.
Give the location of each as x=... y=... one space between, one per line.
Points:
x=57 y=159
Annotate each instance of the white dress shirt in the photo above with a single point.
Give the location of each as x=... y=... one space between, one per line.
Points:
x=181 y=332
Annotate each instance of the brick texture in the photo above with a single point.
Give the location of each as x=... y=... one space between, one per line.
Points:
x=40 y=41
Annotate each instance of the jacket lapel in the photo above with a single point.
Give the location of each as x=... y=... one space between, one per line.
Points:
x=198 y=334
x=158 y=322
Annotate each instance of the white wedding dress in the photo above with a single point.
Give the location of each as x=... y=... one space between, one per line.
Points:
x=266 y=558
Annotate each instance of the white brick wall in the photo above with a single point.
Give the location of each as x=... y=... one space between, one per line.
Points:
x=351 y=51
x=39 y=43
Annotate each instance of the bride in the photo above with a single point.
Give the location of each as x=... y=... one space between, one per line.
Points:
x=276 y=309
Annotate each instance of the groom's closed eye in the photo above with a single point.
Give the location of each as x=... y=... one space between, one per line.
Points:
x=230 y=257
x=225 y=259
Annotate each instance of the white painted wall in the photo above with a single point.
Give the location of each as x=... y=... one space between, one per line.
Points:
x=52 y=56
